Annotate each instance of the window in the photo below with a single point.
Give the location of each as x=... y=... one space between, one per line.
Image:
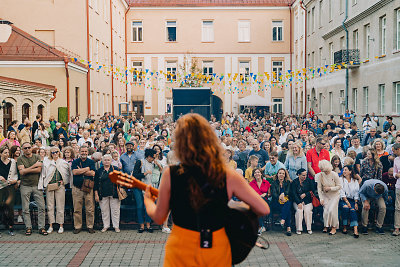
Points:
x=91 y=102
x=105 y=11
x=90 y=48
x=171 y=31
x=320 y=103
x=342 y=5
x=397 y=88
x=137 y=31
x=244 y=70
x=98 y=103
x=309 y=22
x=320 y=14
x=277 y=105
x=137 y=71
x=365 y=99
x=355 y=99
x=367 y=41
x=96 y=54
x=244 y=31
x=277 y=31
x=398 y=29
x=331 y=55
x=207 y=31
x=355 y=39
x=354 y=2
x=76 y=101
x=104 y=103
x=171 y=71
x=381 y=99
x=382 y=40
x=342 y=43
x=313 y=59
x=330 y=102
x=96 y=5
x=107 y=102
x=208 y=68
x=342 y=102
x=277 y=69
x=107 y=55
x=309 y=60
x=320 y=55
x=330 y=10
x=313 y=19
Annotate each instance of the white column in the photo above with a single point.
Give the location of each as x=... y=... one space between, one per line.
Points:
x=268 y=69
x=235 y=95
x=148 y=109
x=286 y=100
x=129 y=88
x=227 y=96
x=161 y=87
x=254 y=70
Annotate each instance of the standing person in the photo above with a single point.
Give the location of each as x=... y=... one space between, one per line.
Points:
x=329 y=186
x=25 y=135
x=8 y=179
x=295 y=160
x=106 y=195
x=396 y=174
x=371 y=167
x=349 y=198
x=30 y=167
x=373 y=191
x=143 y=170
x=281 y=203
x=56 y=173
x=315 y=155
x=41 y=134
x=301 y=190
x=82 y=168
x=201 y=158
x=35 y=126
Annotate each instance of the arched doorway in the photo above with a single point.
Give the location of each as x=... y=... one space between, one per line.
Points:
x=216 y=107
x=25 y=112
x=7 y=116
x=40 y=109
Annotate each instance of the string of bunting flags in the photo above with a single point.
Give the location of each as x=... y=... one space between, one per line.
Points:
x=238 y=82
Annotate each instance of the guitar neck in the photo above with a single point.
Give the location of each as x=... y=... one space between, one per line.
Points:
x=130 y=181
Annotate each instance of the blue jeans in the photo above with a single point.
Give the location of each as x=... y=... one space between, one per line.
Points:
x=348 y=213
x=284 y=210
x=140 y=209
x=261 y=220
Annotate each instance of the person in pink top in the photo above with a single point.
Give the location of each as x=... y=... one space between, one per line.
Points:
x=261 y=186
x=11 y=140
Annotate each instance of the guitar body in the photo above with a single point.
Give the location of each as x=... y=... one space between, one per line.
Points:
x=242 y=230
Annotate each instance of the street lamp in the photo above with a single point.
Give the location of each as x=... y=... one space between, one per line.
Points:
x=3 y=104
x=5 y=30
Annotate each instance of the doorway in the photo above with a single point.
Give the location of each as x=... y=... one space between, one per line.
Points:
x=25 y=112
x=7 y=117
x=137 y=107
x=40 y=109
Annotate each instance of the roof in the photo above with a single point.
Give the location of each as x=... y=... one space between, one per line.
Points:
x=26 y=83
x=21 y=46
x=208 y=3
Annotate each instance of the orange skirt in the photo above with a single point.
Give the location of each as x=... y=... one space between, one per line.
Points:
x=183 y=249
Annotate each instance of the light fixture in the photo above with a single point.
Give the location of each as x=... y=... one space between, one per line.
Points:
x=3 y=104
x=5 y=30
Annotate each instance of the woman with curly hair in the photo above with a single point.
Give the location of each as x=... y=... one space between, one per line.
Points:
x=371 y=167
x=193 y=191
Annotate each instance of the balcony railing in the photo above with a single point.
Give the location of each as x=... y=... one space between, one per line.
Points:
x=351 y=57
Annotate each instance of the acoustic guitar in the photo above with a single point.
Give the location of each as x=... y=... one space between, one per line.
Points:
x=241 y=224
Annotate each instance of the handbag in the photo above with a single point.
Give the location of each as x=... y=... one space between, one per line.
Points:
x=121 y=193
x=315 y=200
x=87 y=185
x=53 y=187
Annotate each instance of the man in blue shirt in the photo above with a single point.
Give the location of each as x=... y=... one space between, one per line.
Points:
x=373 y=191
x=82 y=168
x=273 y=166
x=260 y=153
x=128 y=159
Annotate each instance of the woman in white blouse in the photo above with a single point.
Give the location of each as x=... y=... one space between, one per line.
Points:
x=349 y=197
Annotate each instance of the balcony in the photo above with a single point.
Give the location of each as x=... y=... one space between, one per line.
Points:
x=353 y=59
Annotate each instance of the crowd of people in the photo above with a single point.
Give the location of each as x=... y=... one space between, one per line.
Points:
x=291 y=162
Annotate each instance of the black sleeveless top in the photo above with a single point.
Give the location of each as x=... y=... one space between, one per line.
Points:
x=210 y=216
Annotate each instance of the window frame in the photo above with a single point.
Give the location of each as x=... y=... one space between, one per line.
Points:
x=355 y=39
x=137 y=31
x=244 y=22
x=397 y=33
x=382 y=35
x=167 y=32
x=277 y=104
x=246 y=74
x=365 y=99
x=277 y=27
x=139 y=74
x=381 y=99
x=367 y=33
x=279 y=74
x=208 y=65
x=207 y=29
x=168 y=65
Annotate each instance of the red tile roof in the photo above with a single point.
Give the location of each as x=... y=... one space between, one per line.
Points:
x=207 y=3
x=26 y=83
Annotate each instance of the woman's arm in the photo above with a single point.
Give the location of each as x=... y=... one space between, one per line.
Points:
x=238 y=187
x=159 y=212
x=338 y=183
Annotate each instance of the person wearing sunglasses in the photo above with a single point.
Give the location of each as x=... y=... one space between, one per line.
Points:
x=30 y=167
x=315 y=155
x=56 y=173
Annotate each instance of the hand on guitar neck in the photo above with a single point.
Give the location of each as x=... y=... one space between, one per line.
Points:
x=129 y=181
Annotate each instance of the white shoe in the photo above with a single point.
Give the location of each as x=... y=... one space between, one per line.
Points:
x=263 y=229
x=19 y=219
x=309 y=232
x=50 y=230
x=117 y=230
x=166 y=230
x=298 y=232
x=61 y=230
x=104 y=230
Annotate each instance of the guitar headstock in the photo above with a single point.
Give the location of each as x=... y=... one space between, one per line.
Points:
x=122 y=179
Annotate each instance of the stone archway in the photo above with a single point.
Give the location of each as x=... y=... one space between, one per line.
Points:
x=7 y=116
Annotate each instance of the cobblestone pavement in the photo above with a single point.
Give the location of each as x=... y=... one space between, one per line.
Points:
x=129 y=248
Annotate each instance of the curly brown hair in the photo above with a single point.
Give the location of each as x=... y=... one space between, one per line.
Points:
x=197 y=146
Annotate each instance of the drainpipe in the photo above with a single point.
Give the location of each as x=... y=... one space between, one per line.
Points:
x=305 y=54
x=347 y=56
x=126 y=60
x=112 y=60
x=67 y=77
x=291 y=67
x=88 y=57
